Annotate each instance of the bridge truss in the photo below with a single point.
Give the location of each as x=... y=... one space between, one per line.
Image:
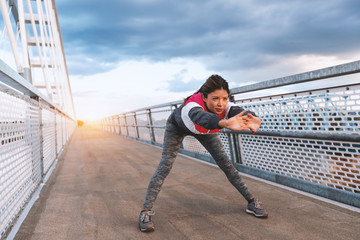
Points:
x=35 y=40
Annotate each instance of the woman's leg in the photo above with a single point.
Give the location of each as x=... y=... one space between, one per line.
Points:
x=214 y=146
x=172 y=140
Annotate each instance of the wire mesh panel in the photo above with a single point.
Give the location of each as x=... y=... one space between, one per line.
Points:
x=63 y=129
x=117 y=126
x=49 y=135
x=70 y=127
x=159 y=135
x=67 y=129
x=331 y=163
x=334 y=110
x=19 y=155
x=123 y=128
x=107 y=124
x=130 y=122
x=34 y=136
x=111 y=125
x=144 y=133
x=190 y=143
x=142 y=121
x=59 y=133
x=159 y=117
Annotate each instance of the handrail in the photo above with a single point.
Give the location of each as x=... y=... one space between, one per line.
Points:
x=306 y=135
x=329 y=72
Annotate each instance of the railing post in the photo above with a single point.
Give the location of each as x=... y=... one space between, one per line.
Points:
x=41 y=125
x=56 y=134
x=173 y=107
x=110 y=124
x=136 y=126
x=126 y=125
x=150 y=123
x=234 y=142
x=234 y=148
x=113 y=124
x=118 y=121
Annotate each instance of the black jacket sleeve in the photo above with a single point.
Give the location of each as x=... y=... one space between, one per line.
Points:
x=205 y=119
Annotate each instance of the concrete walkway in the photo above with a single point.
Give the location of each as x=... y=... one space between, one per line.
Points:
x=97 y=189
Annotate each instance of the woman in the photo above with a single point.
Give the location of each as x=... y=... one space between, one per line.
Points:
x=201 y=115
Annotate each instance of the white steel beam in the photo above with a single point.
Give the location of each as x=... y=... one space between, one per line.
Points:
x=22 y=26
x=44 y=68
x=6 y=16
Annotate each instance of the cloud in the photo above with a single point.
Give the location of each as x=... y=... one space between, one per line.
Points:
x=176 y=84
x=126 y=54
x=224 y=34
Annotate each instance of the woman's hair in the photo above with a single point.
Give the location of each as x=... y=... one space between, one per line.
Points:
x=214 y=82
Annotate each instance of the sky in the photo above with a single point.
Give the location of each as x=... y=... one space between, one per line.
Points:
x=123 y=55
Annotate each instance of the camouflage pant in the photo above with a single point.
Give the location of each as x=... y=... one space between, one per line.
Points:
x=172 y=141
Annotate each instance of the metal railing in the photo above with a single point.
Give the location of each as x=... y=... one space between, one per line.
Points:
x=309 y=139
x=33 y=134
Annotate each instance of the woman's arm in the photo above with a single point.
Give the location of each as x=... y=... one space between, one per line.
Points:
x=205 y=119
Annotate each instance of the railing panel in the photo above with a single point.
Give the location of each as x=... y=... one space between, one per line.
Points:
x=19 y=155
x=159 y=117
x=191 y=144
x=332 y=110
x=331 y=163
x=123 y=125
x=59 y=133
x=130 y=122
x=144 y=133
x=49 y=135
x=63 y=128
x=159 y=135
x=142 y=122
x=36 y=141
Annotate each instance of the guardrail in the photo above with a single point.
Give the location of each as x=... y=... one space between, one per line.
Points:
x=33 y=134
x=309 y=140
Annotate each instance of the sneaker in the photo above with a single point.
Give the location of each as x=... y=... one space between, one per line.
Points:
x=255 y=209
x=145 y=223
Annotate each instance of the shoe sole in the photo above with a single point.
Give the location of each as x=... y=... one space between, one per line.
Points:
x=146 y=229
x=256 y=215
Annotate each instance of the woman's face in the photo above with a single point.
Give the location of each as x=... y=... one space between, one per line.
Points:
x=216 y=101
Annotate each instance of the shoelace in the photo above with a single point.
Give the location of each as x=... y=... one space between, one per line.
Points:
x=146 y=216
x=258 y=204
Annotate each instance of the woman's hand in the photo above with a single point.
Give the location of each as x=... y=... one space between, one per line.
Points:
x=253 y=123
x=240 y=122
x=236 y=123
